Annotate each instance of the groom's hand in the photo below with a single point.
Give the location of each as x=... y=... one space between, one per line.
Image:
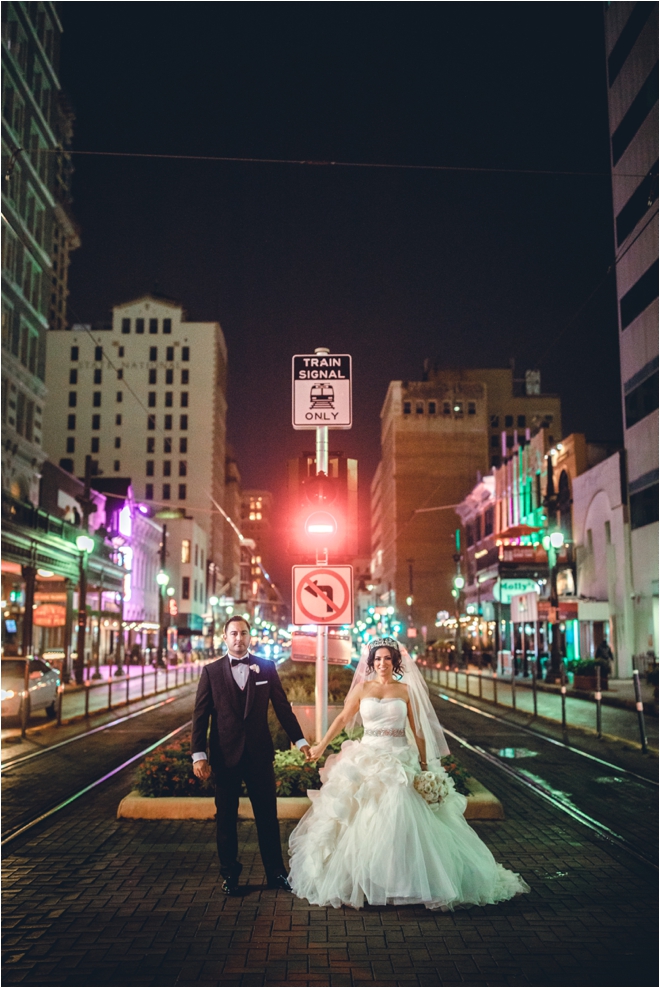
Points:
x=307 y=752
x=202 y=769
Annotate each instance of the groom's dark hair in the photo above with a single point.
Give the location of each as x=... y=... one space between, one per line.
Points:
x=237 y=617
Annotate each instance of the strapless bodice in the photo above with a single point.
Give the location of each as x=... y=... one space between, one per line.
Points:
x=382 y=716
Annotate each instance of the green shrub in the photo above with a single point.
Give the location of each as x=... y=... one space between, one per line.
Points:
x=587 y=667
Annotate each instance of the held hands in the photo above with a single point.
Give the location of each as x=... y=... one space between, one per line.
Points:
x=202 y=769
x=315 y=752
x=306 y=750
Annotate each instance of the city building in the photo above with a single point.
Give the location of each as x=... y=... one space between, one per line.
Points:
x=146 y=397
x=631 y=34
x=257 y=523
x=38 y=233
x=436 y=435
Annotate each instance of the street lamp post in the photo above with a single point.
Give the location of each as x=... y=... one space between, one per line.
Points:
x=119 y=647
x=552 y=542
x=85 y=545
x=162 y=579
x=213 y=601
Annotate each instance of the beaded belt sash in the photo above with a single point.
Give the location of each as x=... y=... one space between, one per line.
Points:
x=386 y=732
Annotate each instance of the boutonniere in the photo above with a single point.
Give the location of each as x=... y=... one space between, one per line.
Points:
x=255 y=668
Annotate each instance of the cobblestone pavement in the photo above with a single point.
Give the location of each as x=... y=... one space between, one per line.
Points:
x=90 y=900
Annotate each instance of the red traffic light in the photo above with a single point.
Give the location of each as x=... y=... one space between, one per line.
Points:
x=321 y=525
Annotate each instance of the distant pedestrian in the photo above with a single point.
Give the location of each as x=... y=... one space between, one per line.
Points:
x=605 y=656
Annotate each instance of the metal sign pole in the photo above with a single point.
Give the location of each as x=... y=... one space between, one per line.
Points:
x=321 y=685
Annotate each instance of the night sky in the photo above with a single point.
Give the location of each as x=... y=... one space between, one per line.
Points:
x=393 y=266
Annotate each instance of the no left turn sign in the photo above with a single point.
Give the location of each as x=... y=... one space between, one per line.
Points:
x=322 y=594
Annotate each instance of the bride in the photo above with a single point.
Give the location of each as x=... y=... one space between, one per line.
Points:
x=370 y=834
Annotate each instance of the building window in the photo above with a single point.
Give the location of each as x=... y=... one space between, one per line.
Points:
x=70 y=444
x=446 y=408
x=152 y=375
x=73 y=375
x=183 y=468
x=629 y=35
x=150 y=468
x=96 y=399
x=95 y=444
x=153 y=353
x=489 y=521
x=608 y=533
x=151 y=443
x=120 y=374
x=120 y=396
x=635 y=116
x=151 y=421
x=74 y=352
x=509 y=441
x=168 y=399
x=73 y=399
x=167 y=326
x=117 y=442
x=472 y=408
x=182 y=492
x=153 y=326
x=126 y=325
x=185 y=550
x=419 y=408
x=185 y=588
x=98 y=353
x=637 y=298
x=71 y=421
x=166 y=492
x=183 y=444
x=169 y=376
x=96 y=421
x=457 y=409
x=407 y=407
x=167 y=468
x=184 y=399
x=183 y=424
x=121 y=351
x=185 y=376
x=169 y=353
x=522 y=422
x=168 y=422
x=139 y=326
x=642 y=198
x=494 y=442
x=116 y=466
x=494 y=421
x=149 y=492
x=494 y=461
x=185 y=353
x=644 y=507
x=117 y=419
x=66 y=465
x=432 y=407
x=167 y=444
x=642 y=401
x=196 y=555
x=151 y=399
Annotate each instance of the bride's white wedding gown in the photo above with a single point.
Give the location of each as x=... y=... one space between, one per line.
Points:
x=369 y=835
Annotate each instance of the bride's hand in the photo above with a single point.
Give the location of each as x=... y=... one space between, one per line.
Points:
x=316 y=751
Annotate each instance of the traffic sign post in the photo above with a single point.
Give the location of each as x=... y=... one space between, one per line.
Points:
x=322 y=594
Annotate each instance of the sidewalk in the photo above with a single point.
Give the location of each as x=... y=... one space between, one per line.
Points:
x=96 y=901
x=619 y=722
x=137 y=682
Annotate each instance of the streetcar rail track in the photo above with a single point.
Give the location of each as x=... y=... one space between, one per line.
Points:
x=22 y=828
x=47 y=749
x=543 y=737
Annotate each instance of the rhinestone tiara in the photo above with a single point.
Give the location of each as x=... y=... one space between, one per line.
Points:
x=388 y=642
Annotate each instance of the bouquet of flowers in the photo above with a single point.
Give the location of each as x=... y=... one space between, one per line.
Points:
x=434 y=787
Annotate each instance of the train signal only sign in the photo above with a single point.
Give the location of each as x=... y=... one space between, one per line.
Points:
x=322 y=391
x=322 y=594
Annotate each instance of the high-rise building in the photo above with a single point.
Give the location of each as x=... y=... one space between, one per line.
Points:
x=436 y=435
x=146 y=397
x=631 y=33
x=37 y=231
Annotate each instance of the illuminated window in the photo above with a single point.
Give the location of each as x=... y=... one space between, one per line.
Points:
x=185 y=550
x=252 y=516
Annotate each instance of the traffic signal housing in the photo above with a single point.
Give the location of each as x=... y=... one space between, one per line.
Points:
x=323 y=509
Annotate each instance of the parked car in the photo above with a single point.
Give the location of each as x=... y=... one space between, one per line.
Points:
x=43 y=683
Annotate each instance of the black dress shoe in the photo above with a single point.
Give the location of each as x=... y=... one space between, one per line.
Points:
x=230 y=885
x=280 y=882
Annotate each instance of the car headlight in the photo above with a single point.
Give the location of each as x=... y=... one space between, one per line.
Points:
x=6 y=694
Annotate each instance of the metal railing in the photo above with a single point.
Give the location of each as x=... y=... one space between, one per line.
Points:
x=487 y=686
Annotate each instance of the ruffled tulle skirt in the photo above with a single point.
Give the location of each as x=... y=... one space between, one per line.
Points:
x=369 y=836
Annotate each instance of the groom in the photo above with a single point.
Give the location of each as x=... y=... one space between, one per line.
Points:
x=233 y=693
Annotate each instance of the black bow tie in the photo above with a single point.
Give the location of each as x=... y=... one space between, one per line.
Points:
x=245 y=661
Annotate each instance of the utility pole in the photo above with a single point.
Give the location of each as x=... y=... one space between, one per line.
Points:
x=87 y=507
x=550 y=501
x=162 y=579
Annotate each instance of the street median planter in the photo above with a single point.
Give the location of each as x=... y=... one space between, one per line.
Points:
x=481 y=805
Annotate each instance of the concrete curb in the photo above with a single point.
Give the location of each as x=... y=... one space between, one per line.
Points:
x=481 y=805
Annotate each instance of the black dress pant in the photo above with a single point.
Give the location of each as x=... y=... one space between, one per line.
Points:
x=259 y=777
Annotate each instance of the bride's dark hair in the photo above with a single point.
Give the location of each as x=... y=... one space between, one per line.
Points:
x=395 y=655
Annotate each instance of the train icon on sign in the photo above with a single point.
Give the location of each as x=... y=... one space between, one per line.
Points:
x=322 y=396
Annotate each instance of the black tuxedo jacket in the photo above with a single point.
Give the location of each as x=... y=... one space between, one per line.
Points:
x=234 y=729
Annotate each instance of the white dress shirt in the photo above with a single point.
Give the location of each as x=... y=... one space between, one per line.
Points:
x=240 y=672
